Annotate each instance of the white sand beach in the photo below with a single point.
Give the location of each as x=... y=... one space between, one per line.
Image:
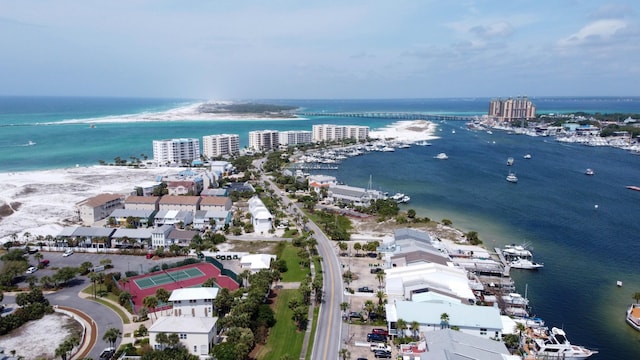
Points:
x=44 y=201
x=407 y=131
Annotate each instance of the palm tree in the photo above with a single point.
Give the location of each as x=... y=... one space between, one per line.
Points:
x=38 y=256
x=520 y=329
x=401 y=325
x=380 y=295
x=380 y=277
x=151 y=302
x=444 y=321
x=111 y=336
x=636 y=297
x=344 y=354
x=344 y=306
x=244 y=276
x=415 y=329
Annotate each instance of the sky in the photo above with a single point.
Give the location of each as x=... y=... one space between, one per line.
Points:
x=331 y=49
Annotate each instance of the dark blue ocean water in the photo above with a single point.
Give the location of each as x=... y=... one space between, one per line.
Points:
x=585 y=249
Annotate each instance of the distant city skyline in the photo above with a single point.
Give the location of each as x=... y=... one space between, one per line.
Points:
x=320 y=50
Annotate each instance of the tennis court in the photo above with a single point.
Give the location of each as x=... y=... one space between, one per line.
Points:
x=168 y=277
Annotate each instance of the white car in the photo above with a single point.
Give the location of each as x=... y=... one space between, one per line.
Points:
x=68 y=252
x=31 y=269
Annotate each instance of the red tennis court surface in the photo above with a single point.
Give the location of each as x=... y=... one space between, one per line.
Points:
x=208 y=269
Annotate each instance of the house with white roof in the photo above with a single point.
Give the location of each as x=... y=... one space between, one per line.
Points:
x=197 y=334
x=403 y=282
x=173 y=217
x=483 y=321
x=261 y=218
x=256 y=262
x=194 y=302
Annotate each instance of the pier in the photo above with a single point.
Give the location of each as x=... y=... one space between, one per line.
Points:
x=312 y=166
x=390 y=115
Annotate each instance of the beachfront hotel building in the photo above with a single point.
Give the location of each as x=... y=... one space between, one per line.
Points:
x=328 y=132
x=294 y=137
x=214 y=146
x=264 y=140
x=175 y=151
x=518 y=108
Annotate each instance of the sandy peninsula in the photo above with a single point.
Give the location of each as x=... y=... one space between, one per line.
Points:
x=409 y=131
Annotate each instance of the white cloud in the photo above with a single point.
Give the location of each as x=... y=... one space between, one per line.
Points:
x=595 y=32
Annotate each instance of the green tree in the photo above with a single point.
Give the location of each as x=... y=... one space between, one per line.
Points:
x=163 y=295
x=636 y=296
x=444 y=321
x=111 y=336
x=411 y=214
x=401 y=326
x=344 y=354
x=151 y=302
x=65 y=274
x=415 y=329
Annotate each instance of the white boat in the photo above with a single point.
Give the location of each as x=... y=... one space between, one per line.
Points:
x=388 y=149
x=516 y=251
x=405 y=199
x=512 y=178
x=589 y=172
x=525 y=264
x=633 y=316
x=510 y=161
x=423 y=143
x=527 y=156
x=442 y=156
x=397 y=196
x=557 y=346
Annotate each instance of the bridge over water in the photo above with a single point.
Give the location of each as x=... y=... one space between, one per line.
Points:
x=390 y=115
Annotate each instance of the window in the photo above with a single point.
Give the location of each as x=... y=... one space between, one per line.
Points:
x=483 y=331
x=195 y=348
x=192 y=301
x=183 y=336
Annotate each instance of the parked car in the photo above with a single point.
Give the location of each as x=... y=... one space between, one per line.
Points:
x=382 y=354
x=380 y=347
x=365 y=289
x=67 y=252
x=355 y=315
x=43 y=263
x=376 y=270
x=107 y=353
x=31 y=270
x=376 y=337
x=380 y=331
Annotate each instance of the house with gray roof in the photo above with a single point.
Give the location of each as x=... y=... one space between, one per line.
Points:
x=353 y=195
x=457 y=345
x=173 y=217
x=131 y=238
x=88 y=237
x=482 y=321
x=214 y=219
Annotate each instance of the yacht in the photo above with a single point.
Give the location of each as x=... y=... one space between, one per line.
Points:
x=525 y=264
x=633 y=316
x=527 y=156
x=512 y=178
x=556 y=346
x=388 y=149
x=589 y=172
x=423 y=143
x=442 y=156
x=510 y=161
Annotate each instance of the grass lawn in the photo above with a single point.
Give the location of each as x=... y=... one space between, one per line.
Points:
x=284 y=337
x=295 y=272
x=110 y=296
x=316 y=311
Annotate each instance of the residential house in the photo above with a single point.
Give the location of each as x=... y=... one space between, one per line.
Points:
x=159 y=235
x=214 y=219
x=197 y=334
x=185 y=203
x=131 y=238
x=214 y=192
x=451 y=344
x=87 y=237
x=194 y=302
x=256 y=262
x=173 y=217
x=319 y=182
x=483 y=321
x=134 y=202
x=99 y=207
x=180 y=237
x=261 y=218
x=132 y=218
x=218 y=203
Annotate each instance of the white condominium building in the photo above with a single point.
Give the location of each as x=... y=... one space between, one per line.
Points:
x=263 y=140
x=175 y=151
x=214 y=146
x=327 y=132
x=519 y=108
x=295 y=137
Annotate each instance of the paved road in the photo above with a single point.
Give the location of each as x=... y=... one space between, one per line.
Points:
x=328 y=339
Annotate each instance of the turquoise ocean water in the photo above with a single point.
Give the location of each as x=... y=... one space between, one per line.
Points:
x=585 y=249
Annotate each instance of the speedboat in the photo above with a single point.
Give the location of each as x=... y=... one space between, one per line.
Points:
x=442 y=156
x=525 y=264
x=527 y=156
x=512 y=178
x=557 y=346
x=510 y=161
x=589 y=172
x=633 y=316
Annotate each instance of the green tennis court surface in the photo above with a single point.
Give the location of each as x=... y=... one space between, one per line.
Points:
x=168 y=277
